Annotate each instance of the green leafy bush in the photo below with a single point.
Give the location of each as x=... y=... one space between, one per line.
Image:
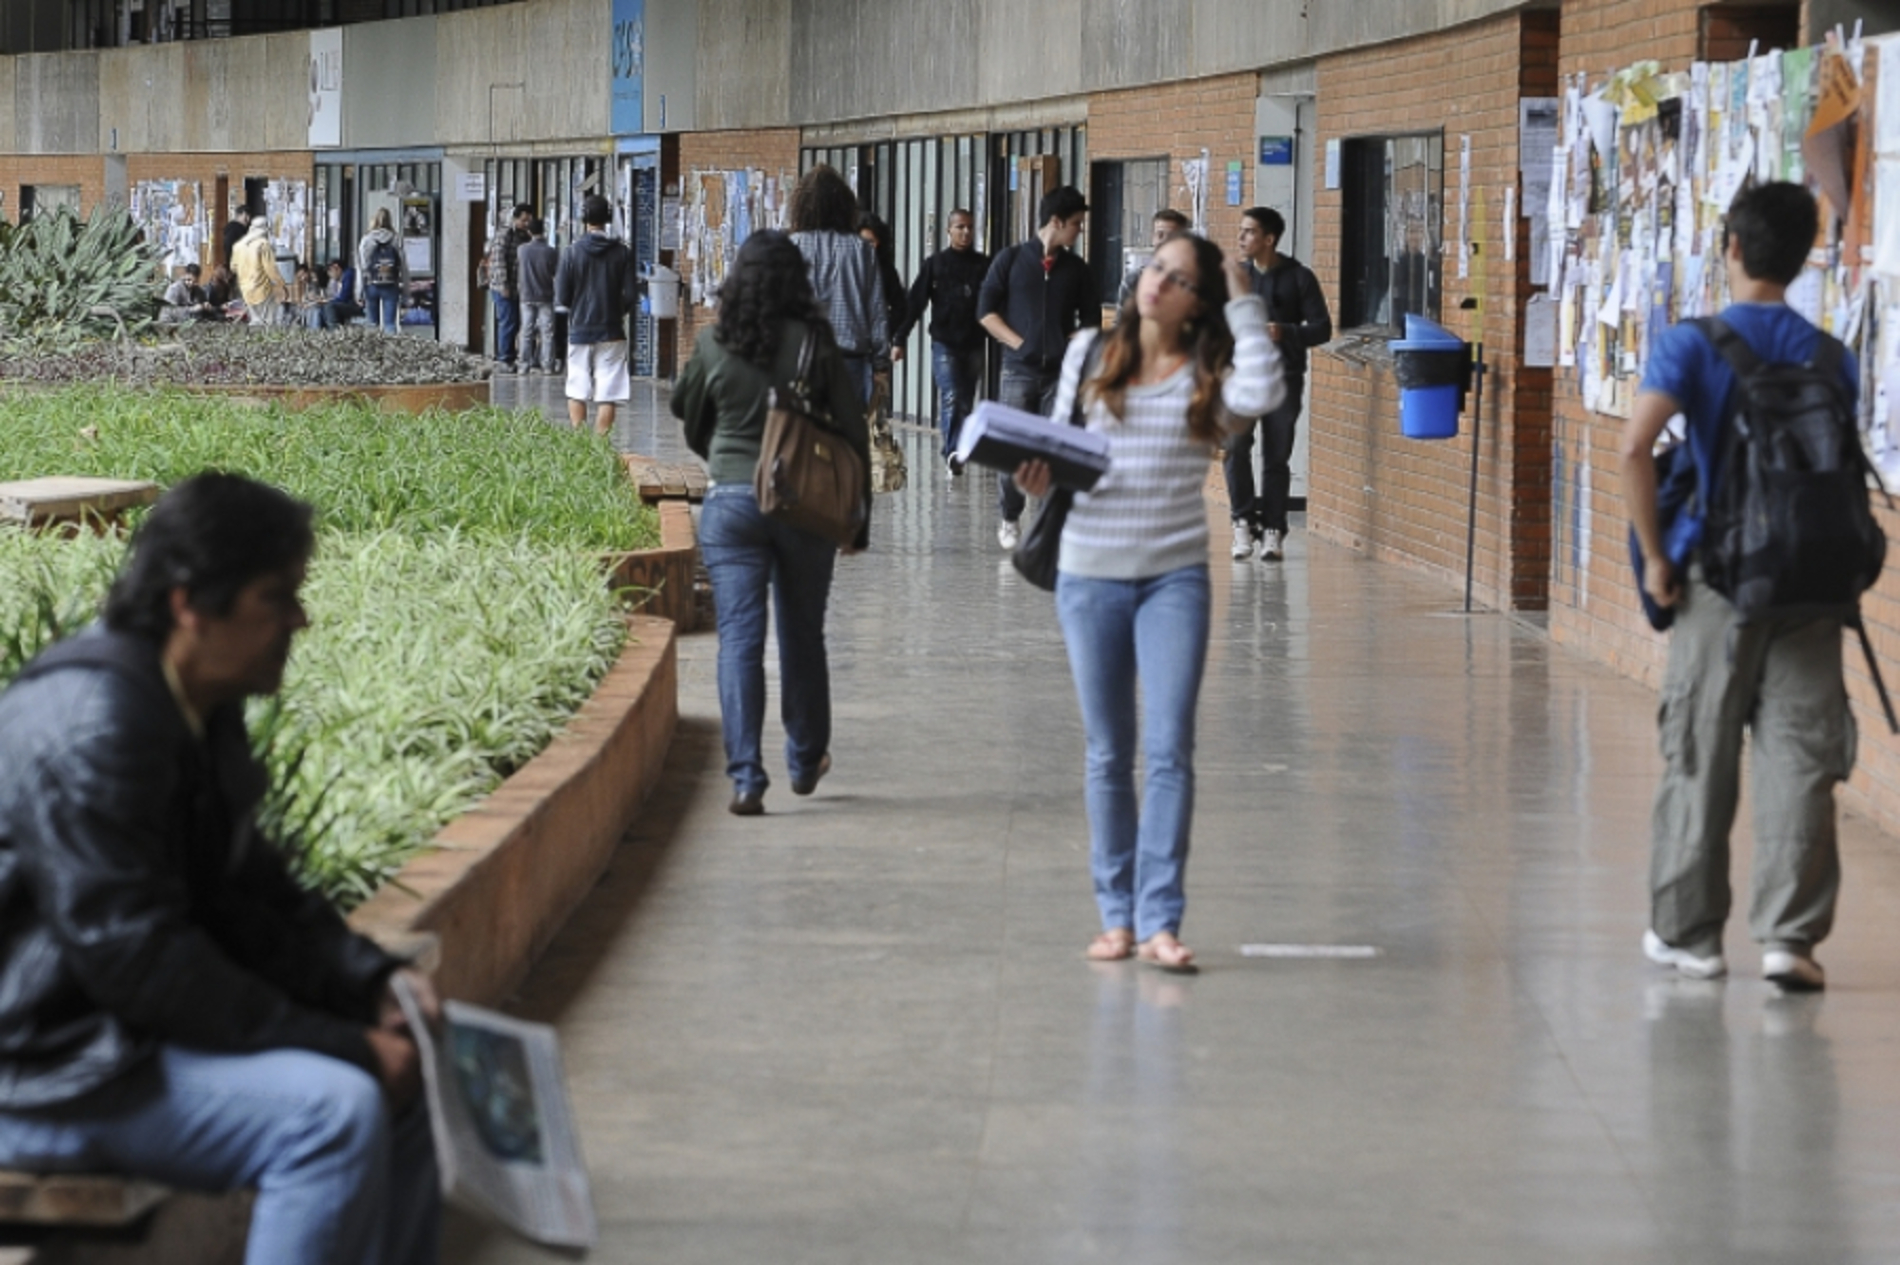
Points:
x=432 y=669
x=486 y=473
x=64 y=279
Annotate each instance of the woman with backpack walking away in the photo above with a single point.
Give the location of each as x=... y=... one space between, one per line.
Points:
x=768 y=319
x=1191 y=361
x=382 y=273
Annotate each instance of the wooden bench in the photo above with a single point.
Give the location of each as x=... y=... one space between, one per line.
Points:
x=67 y=501
x=62 y=1199
x=663 y=481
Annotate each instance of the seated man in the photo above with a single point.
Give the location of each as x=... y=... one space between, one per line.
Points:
x=173 y=1005
x=185 y=301
x=343 y=305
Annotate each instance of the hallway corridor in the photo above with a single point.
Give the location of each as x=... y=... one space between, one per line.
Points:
x=860 y=1031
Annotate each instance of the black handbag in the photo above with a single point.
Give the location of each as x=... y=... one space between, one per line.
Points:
x=1041 y=546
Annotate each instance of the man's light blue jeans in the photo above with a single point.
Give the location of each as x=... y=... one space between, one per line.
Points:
x=338 y=1181
x=747 y=555
x=1120 y=632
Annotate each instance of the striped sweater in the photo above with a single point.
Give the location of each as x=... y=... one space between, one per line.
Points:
x=1145 y=517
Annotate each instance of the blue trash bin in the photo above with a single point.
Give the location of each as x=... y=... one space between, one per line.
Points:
x=1434 y=366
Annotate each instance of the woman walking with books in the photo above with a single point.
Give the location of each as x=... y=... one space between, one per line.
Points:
x=767 y=316
x=1189 y=359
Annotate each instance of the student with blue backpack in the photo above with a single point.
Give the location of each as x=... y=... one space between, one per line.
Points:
x=1769 y=545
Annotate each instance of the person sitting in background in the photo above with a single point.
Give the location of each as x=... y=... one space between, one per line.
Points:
x=342 y=291
x=185 y=300
x=312 y=300
x=221 y=292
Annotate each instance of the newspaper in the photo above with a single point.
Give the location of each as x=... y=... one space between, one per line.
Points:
x=504 y=1134
x=1002 y=438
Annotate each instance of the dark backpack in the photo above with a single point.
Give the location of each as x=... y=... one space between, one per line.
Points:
x=1789 y=530
x=385 y=265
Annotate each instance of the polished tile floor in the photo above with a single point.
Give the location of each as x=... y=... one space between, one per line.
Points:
x=860 y=1029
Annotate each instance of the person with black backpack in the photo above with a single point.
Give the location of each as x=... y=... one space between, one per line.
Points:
x=1756 y=575
x=382 y=273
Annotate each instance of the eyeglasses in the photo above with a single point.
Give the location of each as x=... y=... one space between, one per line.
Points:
x=1174 y=279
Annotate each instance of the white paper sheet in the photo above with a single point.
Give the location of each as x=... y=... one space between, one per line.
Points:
x=1540 y=332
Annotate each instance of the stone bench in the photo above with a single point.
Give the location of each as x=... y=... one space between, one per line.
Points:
x=68 y=501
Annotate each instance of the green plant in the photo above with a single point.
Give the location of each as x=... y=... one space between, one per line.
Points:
x=433 y=668
x=64 y=279
x=486 y=474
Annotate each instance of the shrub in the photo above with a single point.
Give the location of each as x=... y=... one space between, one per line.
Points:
x=64 y=280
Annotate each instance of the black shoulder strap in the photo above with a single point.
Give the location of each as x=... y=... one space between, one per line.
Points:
x=1089 y=359
x=1828 y=354
x=1732 y=346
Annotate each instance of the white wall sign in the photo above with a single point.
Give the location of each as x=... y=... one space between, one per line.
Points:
x=326 y=88
x=471 y=186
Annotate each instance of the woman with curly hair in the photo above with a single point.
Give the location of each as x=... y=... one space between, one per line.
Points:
x=844 y=271
x=767 y=315
x=1189 y=359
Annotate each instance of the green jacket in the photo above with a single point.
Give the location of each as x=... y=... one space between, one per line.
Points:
x=722 y=400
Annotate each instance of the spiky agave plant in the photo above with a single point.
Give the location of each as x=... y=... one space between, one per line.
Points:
x=64 y=280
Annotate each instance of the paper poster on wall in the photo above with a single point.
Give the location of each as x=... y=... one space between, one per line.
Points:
x=1332 y=163
x=1464 y=207
x=1540 y=332
x=326 y=88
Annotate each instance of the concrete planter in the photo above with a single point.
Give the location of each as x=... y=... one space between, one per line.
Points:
x=454 y=397
x=500 y=880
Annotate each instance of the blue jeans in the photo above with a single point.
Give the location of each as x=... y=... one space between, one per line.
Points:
x=1119 y=632
x=337 y=1179
x=1033 y=391
x=507 y=326
x=862 y=373
x=746 y=553
x=959 y=373
x=384 y=304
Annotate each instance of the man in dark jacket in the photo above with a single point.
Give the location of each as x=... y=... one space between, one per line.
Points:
x=1297 y=318
x=173 y=1005
x=1037 y=294
x=536 y=261
x=948 y=284
x=597 y=287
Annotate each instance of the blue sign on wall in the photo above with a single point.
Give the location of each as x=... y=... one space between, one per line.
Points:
x=1276 y=151
x=629 y=51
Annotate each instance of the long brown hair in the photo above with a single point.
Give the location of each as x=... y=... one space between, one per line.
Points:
x=1209 y=342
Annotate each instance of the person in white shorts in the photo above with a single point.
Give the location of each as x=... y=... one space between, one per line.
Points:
x=597 y=287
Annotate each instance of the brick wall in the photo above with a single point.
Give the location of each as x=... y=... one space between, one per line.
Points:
x=17 y=171
x=1178 y=121
x=1405 y=500
x=773 y=150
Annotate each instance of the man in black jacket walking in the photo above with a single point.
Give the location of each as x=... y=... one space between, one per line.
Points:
x=173 y=1006
x=597 y=287
x=949 y=283
x=1037 y=295
x=1297 y=318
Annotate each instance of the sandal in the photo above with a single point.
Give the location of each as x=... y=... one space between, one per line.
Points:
x=1112 y=946
x=1164 y=951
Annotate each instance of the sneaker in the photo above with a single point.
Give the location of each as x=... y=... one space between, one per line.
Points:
x=1684 y=962
x=1793 y=971
x=1009 y=534
x=1272 y=546
x=1243 y=541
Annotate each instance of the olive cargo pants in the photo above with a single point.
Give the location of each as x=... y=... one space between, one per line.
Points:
x=1781 y=681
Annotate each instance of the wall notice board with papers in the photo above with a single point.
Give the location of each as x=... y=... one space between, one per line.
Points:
x=1641 y=174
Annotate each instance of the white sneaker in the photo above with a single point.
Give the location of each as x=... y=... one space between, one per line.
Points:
x=1684 y=962
x=1272 y=546
x=1243 y=541
x=1008 y=534
x=1794 y=972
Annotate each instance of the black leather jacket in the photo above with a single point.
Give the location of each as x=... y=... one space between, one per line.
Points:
x=139 y=903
